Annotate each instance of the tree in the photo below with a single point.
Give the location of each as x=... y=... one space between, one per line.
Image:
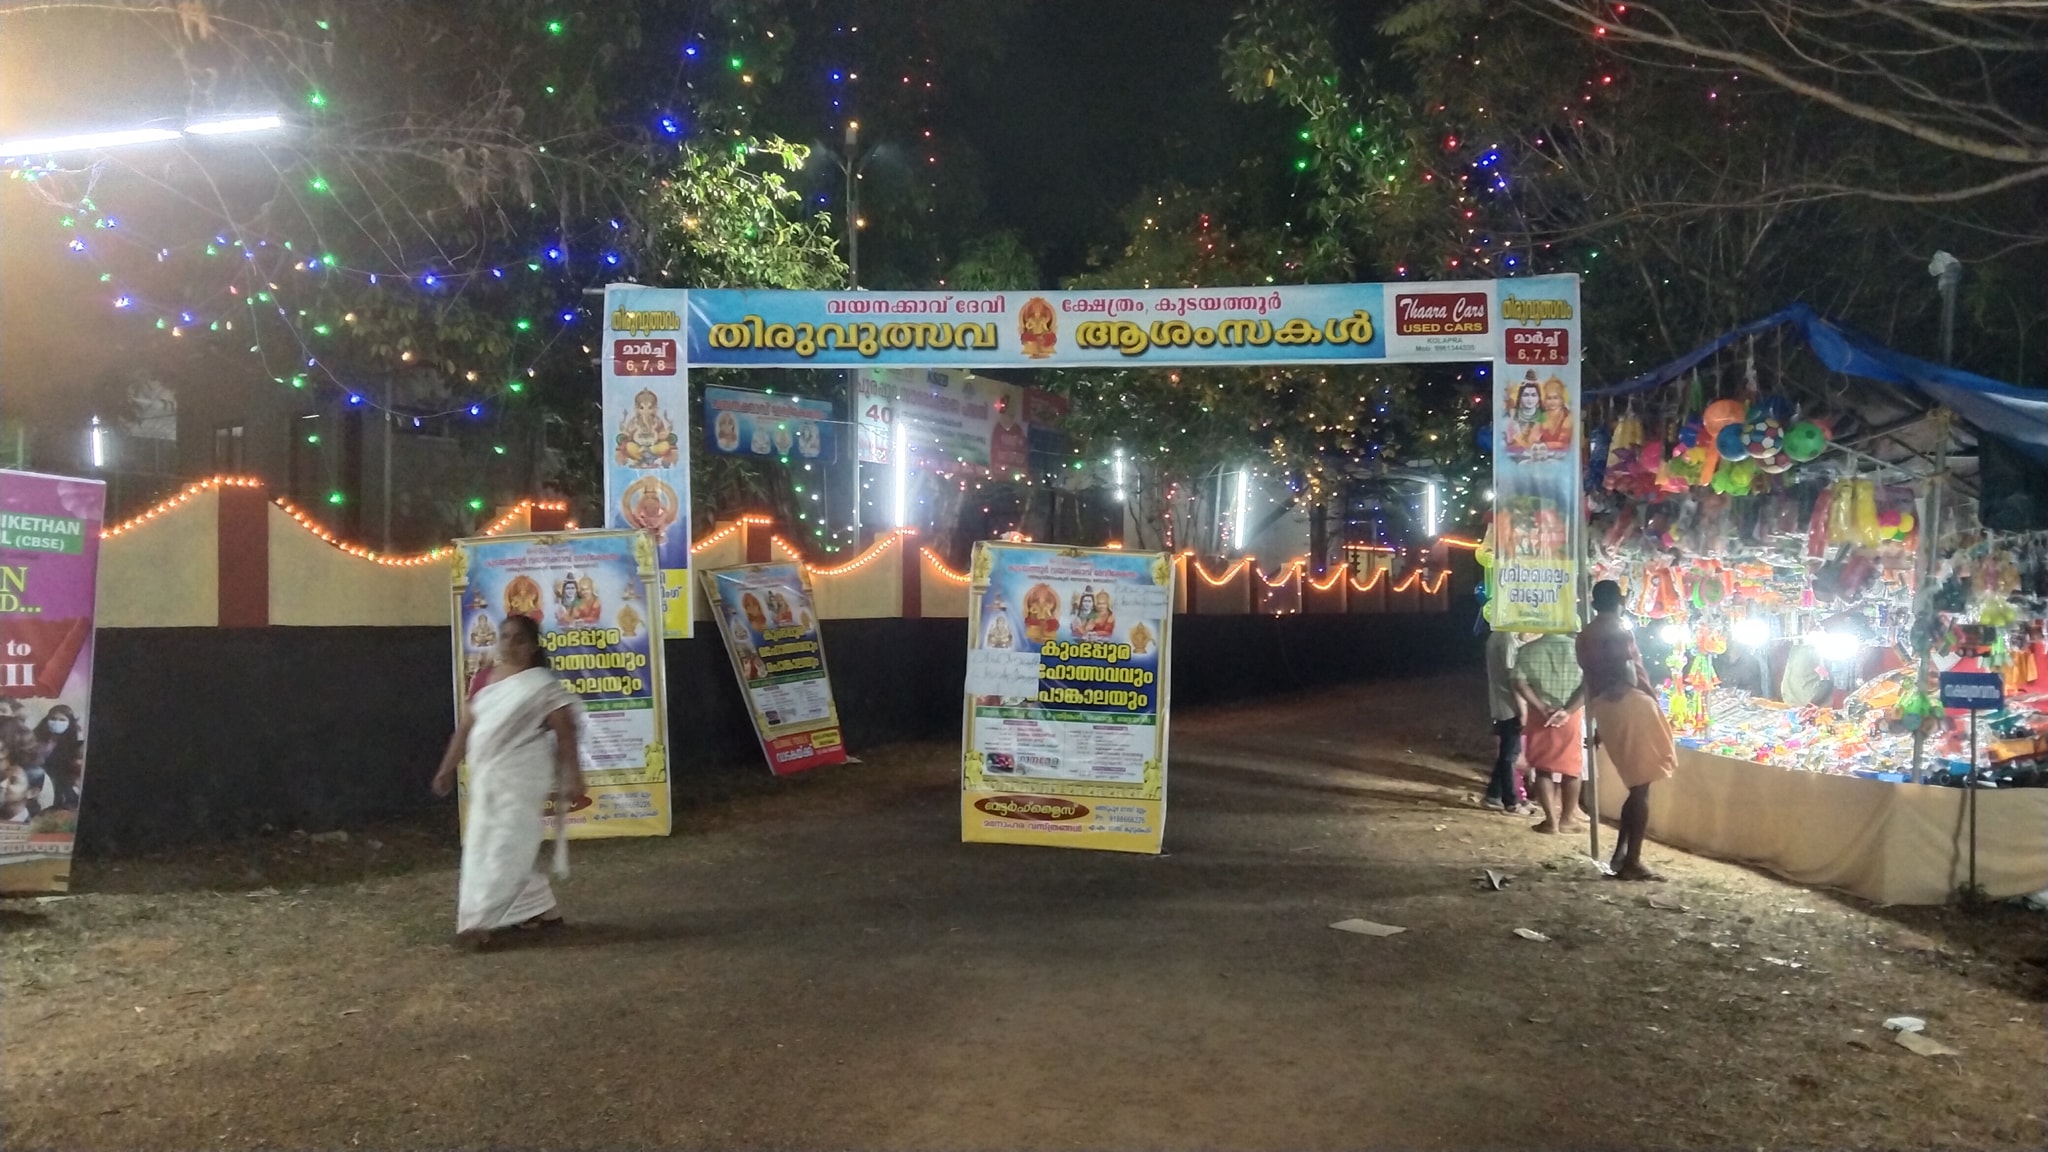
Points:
x=1517 y=143
x=417 y=245
x=1957 y=77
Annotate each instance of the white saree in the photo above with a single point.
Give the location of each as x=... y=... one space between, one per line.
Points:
x=511 y=755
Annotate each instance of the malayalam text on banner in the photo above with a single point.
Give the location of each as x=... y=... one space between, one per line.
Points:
x=738 y=422
x=770 y=626
x=49 y=562
x=1536 y=470
x=1288 y=324
x=594 y=594
x=646 y=398
x=1064 y=738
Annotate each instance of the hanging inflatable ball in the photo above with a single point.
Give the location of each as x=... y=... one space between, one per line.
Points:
x=1776 y=409
x=1805 y=441
x=1731 y=441
x=1775 y=465
x=1720 y=414
x=1764 y=438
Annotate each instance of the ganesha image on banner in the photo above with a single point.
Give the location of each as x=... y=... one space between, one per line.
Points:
x=522 y=598
x=1041 y=614
x=1038 y=330
x=646 y=437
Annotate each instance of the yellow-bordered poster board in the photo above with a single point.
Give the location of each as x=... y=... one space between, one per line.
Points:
x=1064 y=736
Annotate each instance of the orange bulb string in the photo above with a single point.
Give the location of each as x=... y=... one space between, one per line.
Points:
x=1336 y=574
x=939 y=568
x=1286 y=573
x=866 y=558
x=1229 y=573
x=1369 y=585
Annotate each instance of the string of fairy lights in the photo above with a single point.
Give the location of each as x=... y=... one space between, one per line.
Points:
x=248 y=291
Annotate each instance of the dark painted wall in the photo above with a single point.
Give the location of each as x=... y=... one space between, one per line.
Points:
x=204 y=734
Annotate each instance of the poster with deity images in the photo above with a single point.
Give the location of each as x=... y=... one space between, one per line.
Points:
x=1537 y=508
x=1064 y=738
x=594 y=595
x=49 y=563
x=770 y=626
x=792 y=429
x=646 y=445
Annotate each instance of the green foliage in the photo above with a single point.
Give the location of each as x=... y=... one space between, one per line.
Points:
x=727 y=217
x=997 y=262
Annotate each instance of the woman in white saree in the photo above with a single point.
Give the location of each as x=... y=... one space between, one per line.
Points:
x=519 y=735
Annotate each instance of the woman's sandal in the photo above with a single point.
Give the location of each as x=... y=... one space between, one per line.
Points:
x=473 y=940
x=541 y=922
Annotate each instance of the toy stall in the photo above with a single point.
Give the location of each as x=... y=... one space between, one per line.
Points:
x=1809 y=532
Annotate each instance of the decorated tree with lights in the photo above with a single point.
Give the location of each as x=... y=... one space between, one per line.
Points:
x=1517 y=138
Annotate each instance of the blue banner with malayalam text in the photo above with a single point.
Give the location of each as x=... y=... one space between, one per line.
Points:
x=1287 y=324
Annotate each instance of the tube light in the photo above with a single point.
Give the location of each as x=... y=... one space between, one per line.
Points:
x=899 y=472
x=235 y=126
x=82 y=142
x=1239 y=511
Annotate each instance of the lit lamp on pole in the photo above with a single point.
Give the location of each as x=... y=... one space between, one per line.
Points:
x=31 y=147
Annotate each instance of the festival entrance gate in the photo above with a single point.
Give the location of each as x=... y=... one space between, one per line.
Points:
x=1088 y=781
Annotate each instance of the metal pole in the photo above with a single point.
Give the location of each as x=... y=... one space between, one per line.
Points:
x=852 y=206
x=1970 y=787
x=389 y=432
x=1592 y=733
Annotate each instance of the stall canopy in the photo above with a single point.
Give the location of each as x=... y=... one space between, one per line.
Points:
x=2018 y=416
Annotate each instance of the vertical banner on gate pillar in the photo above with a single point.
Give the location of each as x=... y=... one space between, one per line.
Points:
x=1537 y=506
x=770 y=626
x=1064 y=739
x=593 y=594
x=49 y=561
x=646 y=421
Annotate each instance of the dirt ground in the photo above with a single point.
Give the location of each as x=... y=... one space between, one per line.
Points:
x=819 y=963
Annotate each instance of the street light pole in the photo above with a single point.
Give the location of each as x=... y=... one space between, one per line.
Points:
x=852 y=205
x=1948 y=276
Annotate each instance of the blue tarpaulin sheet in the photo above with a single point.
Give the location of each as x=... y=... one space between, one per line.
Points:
x=2016 y=415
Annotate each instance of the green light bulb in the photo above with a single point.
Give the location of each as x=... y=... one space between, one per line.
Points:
x=556 y=28
x=336 y=498
x=316 y=99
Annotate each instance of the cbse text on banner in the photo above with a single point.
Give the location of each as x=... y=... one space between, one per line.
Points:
x=593 y=594
x=49 y=563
